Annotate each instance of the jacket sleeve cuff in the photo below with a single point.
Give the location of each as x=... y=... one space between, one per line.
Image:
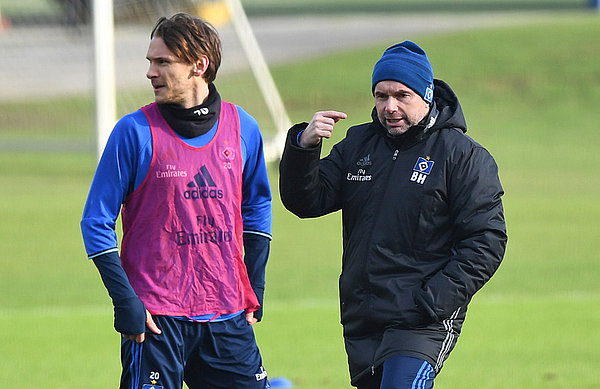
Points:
x=294 y=137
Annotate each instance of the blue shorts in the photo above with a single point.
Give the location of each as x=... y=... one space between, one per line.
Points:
x=211 y=355
x=400 y=372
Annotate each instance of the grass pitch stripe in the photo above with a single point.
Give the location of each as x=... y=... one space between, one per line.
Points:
x=314 y=304
x=57 y=311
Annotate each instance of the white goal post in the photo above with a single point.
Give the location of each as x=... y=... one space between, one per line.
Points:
x=105 y=88
x=104 y=71
x=274 y=146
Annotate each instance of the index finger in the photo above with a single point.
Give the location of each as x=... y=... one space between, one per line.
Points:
x=335 y=115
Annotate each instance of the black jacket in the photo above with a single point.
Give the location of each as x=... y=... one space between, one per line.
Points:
x=423 y=229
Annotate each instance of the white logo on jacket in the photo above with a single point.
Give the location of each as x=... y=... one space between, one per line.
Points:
x=360 y=176
x=422 y=169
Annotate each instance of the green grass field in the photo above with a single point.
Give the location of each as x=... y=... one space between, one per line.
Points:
x=530 y=95
x=254 y=7
x=260 y=7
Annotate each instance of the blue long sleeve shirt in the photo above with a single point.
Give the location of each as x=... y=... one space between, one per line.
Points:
x=125 y=163
x=124 y=166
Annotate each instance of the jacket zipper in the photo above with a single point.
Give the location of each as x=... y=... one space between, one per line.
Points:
x=394 y=157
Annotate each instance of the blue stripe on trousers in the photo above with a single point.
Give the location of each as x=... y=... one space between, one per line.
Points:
x=423 y=376
x=136 y=364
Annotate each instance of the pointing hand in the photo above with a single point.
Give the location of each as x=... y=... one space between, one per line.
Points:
x=321 y=126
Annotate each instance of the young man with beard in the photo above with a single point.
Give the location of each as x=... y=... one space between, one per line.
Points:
x=422 y=215
x=187 y=173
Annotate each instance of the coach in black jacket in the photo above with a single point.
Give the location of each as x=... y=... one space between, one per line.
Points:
x=423 y=223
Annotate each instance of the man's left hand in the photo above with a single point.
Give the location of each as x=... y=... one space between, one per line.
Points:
x=250 y=318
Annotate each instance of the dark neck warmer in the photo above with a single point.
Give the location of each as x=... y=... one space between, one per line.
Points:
x=195 y=121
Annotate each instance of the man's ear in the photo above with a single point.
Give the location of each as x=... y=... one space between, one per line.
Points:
x=201 y=66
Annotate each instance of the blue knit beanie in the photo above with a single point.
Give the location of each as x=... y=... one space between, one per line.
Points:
x=407 y=63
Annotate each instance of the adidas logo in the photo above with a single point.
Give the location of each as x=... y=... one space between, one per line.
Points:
x=203 y=187
x=365 y=161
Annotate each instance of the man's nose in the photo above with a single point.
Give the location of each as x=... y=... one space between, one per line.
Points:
x=391 y=105
x=151 y=73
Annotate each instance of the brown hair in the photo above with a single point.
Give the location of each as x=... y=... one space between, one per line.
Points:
x=188 y=38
